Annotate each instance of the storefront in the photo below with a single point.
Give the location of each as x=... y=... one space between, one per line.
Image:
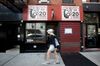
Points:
x=65 y=20
x=91 y=26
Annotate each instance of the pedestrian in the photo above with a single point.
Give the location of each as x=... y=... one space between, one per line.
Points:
x=52 y=47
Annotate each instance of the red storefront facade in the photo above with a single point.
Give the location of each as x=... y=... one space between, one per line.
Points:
x=65 y=20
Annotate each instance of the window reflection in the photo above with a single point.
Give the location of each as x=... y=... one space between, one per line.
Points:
x=35 y=33
x=67 y=1
x=90 y=18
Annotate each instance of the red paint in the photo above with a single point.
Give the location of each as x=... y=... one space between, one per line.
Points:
x=57 y=12
x=70 y=49
x=25 y=13
x=74 y=37
x=81 y=14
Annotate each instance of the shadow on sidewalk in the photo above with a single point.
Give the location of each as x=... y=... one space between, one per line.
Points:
x=76 y=59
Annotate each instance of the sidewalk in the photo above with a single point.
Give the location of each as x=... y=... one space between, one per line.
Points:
x=12 y=57
x=26 y=59
x=93 y=56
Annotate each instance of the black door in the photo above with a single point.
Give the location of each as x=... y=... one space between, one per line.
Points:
x=91 y=36
x=8 y=36
x=3 y=38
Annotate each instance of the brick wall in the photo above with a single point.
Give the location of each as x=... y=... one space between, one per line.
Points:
x=56 y=1
x=32 y=2
x=87 y=0
x=70 y=42
x=77 y=2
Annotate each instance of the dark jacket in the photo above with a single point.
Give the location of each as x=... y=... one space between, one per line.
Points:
x=51 y=40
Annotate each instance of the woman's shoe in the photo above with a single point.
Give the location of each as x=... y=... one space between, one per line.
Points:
x=57 y=63
x=46 y=63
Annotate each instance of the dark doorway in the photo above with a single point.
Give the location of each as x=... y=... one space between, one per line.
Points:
x=54 y=26
x=8 y=35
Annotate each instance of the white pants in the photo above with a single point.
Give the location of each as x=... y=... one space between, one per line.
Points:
x=51 y=48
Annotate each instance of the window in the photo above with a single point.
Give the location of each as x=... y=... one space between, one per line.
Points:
x=68 y=1
x=90 y=1
x=35 y=33
x=90 y=17
x=43 y=1
x=94 y=1
x=83 y=1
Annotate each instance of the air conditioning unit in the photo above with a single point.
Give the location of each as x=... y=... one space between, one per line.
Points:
x=43 y=1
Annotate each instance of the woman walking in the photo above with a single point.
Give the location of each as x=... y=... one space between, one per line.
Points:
x=52 y=47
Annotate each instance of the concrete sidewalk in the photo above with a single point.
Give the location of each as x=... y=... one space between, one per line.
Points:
x=26 y=59
x=92 y=56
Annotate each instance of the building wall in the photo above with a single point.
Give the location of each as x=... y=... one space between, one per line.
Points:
x=87 y=0
x=57 y=12
x=70 y=42
x=56 y=1
x=76 y=2
x=51 y=2
x=31 y=2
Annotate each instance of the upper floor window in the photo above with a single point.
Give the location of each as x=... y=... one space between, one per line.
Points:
x=90 y=17
x=94 y=0
x=67 y=1
x=83 y=1
x=44 y=1
x=90 y=1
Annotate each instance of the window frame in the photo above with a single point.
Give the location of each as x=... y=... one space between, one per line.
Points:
x=68 y=1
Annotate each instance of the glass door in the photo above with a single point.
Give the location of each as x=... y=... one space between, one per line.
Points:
x=35 y=33
x=91 y=39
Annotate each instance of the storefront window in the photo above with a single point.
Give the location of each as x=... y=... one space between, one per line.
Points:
x=35 y=33
x=94 y=0
x=90 y=18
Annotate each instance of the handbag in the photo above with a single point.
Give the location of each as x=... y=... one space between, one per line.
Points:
x=56 y=42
